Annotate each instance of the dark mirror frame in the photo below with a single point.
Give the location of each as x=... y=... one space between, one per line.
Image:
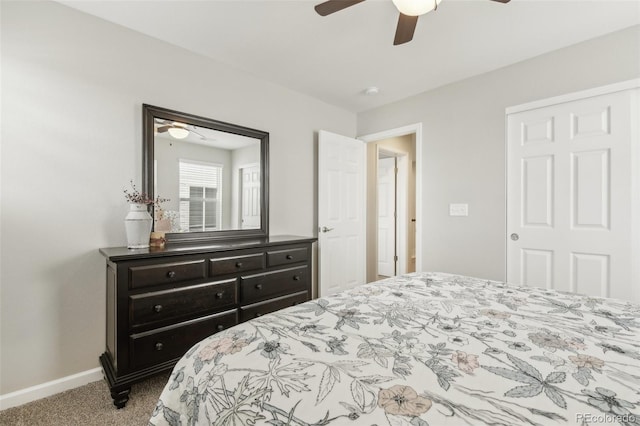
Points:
x=150 y=112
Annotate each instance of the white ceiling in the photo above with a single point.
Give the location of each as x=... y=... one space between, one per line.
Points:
x=335 y=58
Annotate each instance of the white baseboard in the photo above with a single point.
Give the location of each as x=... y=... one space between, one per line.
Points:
x=53 y=387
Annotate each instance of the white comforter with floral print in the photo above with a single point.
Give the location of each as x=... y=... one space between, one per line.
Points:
x=421 y=349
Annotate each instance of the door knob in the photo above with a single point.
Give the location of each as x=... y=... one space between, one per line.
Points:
x=325 y=229
x=515 y=237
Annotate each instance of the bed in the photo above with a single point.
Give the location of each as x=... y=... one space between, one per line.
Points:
x=417 y=350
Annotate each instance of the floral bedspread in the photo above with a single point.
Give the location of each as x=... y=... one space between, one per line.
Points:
x=417 y=350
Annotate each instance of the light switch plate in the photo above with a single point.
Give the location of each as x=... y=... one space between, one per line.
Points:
x=458 y=209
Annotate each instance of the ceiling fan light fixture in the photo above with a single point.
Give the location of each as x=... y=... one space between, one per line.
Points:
x=178 y=132
x=416 y=7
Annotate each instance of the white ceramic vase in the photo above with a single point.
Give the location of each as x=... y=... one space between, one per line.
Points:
x=137 y=223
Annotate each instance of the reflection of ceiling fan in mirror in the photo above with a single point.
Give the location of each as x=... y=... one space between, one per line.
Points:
x=178 y=130
x=410 y=11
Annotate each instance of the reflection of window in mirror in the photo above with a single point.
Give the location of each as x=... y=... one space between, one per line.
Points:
x=200 y=196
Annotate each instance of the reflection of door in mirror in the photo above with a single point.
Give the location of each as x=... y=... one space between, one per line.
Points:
x=250 y=197
x=243 y=159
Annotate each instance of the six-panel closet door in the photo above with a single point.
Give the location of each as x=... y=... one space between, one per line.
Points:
x=572 y=196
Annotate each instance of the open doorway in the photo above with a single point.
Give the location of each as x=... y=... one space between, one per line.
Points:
x=347 y=243
x=391 y=206
x=396 y=255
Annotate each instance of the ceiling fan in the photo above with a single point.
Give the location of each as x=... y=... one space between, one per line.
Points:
x=178 y=130
x=410 y=11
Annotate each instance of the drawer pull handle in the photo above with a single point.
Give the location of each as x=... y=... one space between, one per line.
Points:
x=289 y=257
x=219 y=295
x=296 y=277
x=157 y=308
x=238 y=264
x=258 y=286
x=159 y=346
x=171 y=274
x=220 y=327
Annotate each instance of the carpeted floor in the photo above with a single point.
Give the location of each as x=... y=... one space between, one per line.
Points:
x=89 y=405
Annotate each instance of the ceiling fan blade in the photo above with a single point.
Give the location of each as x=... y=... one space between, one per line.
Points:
x=163 y=129
x=405 y=29
x=332 y=6
x=203 y=137
x=502 y=1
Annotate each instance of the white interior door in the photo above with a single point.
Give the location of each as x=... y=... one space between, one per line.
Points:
x=387 y=216
x=341 y=220
x=572 y=196
x=250 y=197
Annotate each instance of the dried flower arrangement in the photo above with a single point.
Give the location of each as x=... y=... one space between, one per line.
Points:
x=137 y=197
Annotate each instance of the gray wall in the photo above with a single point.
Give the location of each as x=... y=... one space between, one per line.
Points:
x=72 y=90
x=464 y=148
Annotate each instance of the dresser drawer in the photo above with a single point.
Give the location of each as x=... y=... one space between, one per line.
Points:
x=255 y=288
x=167 y=343
x=285 y=257
x=163 y=305
x=231 y=265
x=259 y=309
x=164 y=273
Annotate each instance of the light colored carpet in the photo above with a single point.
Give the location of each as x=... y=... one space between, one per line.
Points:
x=89 y=405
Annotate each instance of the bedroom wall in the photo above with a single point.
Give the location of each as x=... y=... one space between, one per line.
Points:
x=72 y=90
x=464 y=148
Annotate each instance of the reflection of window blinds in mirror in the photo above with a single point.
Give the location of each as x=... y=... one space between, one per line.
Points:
x=200 y=195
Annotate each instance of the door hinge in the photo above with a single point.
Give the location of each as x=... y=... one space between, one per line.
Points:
x=395 y=258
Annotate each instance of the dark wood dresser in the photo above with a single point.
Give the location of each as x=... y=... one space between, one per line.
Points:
x=161 y=302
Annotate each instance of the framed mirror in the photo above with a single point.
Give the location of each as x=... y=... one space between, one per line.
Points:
x=214 y=175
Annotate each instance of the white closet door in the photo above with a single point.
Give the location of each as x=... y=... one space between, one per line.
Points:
x=387 y=217
x=572 y=196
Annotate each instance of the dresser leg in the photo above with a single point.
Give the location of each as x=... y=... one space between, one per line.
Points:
x=120 y=397
x=119 y=391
